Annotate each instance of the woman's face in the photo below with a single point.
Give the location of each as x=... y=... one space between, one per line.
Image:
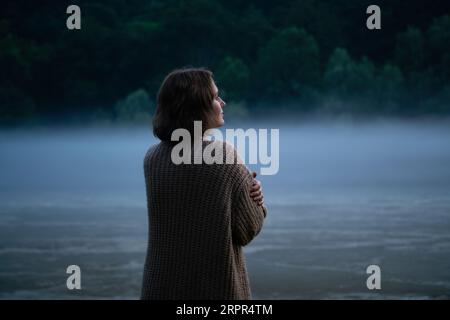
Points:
x=217 y=113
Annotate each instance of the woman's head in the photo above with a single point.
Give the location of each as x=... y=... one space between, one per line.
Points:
x=185 y=96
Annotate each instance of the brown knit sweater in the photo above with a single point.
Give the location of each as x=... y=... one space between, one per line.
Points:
x=200 y=217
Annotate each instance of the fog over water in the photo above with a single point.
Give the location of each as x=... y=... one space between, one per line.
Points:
x=347 y=195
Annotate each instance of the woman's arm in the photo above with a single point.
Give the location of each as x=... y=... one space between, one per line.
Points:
x=247 y=215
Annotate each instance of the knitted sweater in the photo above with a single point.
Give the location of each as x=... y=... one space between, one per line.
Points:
x=200 y=217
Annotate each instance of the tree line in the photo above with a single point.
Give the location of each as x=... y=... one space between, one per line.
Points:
x=302 y=56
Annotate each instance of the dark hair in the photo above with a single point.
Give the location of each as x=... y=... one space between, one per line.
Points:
x=186 y=95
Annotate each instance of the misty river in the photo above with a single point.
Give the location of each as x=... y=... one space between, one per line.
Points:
x=347 y=195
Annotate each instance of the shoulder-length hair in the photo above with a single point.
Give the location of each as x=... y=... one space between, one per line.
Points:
x=186 y=95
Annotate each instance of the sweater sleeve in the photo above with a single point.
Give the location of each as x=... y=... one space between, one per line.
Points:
x=247 y=216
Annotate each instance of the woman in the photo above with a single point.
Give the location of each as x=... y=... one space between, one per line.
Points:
x=200 y=215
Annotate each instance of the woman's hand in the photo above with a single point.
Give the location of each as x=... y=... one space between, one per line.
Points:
x=256 y=191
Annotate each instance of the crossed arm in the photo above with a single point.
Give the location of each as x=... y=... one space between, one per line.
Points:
x=248 y=214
